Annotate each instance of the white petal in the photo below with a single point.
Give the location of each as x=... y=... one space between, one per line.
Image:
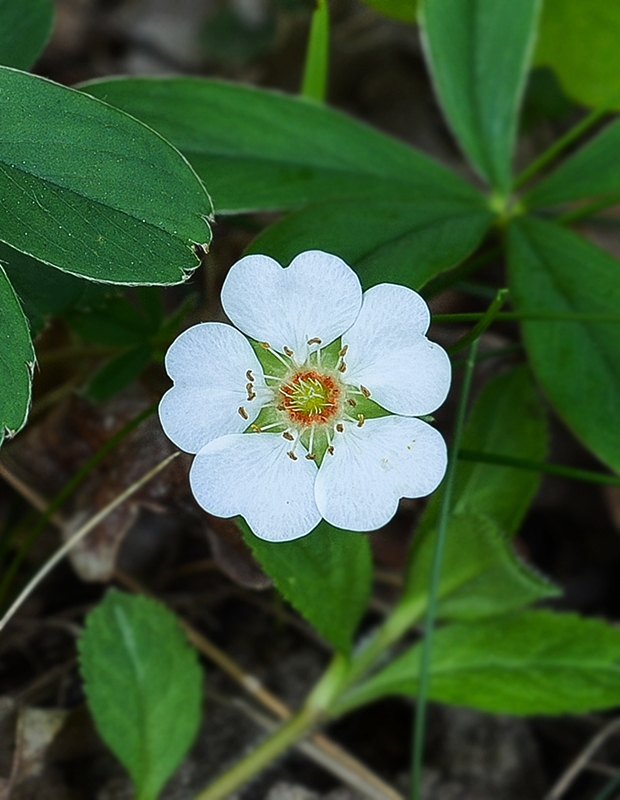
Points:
x=318 y=295
x=358 y=488
x=389 y=354
x=208 y=364
x=250 y=474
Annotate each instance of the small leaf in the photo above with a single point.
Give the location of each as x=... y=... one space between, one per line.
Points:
x=326 y=576
x=25 y=27
x=382 y=237
x=593 y=171
x=580 y=41
x=16 y=361
x=118 y=373
x=553 y=270
x=143 y=686
x=90 y=190
x=479 y=53
x=537 y=662
x=261 y=150
x=114 y=323
x=404 y=10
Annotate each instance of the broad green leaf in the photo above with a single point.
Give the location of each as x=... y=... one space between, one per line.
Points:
x=593 y=171
x=481 y=575
x=580 y=41
x=16 y=361
x=553 y=270
x=114 y=323
x=261 y=150
x=90 y=190
x=25 y=26
x=143 y=686
x=384 y=237
x=118 y=373
x=326 y=576
x=479 y=52
x=537 y=662
x=404 y=10
x=45 y=291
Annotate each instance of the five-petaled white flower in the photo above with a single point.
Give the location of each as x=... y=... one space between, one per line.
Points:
x=315 y=414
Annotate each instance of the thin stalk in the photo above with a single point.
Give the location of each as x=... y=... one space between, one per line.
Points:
x=433 y=593
x=496 y=353
x=483 y=323
x=314 y=83
x=464 y=270
x=529 y=316
x=588 y=210
x=540 y=466
x=80 y=534
x=66 y=491
x=560 y=145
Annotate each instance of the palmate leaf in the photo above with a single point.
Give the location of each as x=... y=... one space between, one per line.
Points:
x=479 y=52
x=261 y=150
x=143 y=686
x=90 y=190
x=535 y=662
x=555 y=271
x=24 y=30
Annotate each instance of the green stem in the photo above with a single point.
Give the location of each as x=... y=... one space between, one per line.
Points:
x=540 y=466
x=464 y=270
x=66 y=491
x=314 y=83
x=483 y=323
x=561 y=144
x=529 y=316
x=588 y=210
x=433 y=594
x=291 y=731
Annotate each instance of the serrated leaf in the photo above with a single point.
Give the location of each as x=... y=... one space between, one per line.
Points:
x=553 y=270
x=326 y=576
x=90 y=190
x=481 y=575
x=593 y=171
x=16 y=361
x=479 y=53
x=25 y=27
x=143 y=686
x=118 y=373
x=383 y=237
x=261 y=150
x=536 y=662
x=580 y=41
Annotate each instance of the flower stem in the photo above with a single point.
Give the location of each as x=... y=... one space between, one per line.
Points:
x=433 y=594
x=314 y=84
x=483 y=323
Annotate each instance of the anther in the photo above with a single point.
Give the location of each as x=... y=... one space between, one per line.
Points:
x=288 y=436
x=241 y=410
x=340 y=427
x=311 y=457
x=251 y=394
x=365 y=392
x=352 y=402
x=343 y=352
x=291 y=455
x=316 y=340
x=249 y=387
x=256 y=428
x=360 y=420
x=342 y=367
x=288 y=351
x=265 y=345
x=330 y=449
x=249 y=376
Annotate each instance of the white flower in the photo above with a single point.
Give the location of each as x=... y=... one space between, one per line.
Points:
x=315 y=414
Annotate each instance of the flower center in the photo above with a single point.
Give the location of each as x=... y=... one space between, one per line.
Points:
x=310 y=397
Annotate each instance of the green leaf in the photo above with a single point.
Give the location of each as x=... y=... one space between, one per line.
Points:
x=118 y=373
x=16 y=361
x=45 y=291
x=384 y=237
x=580 y=41
x=404 y=10
x=479 y=53
x=263 y=150
x=114 y=323
x=553 y=270
x=481 y=575
x=537 y=662
x=143 y=686
x=326 y=576
x=91 y=191
x=593 y=171
x=25 y=27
